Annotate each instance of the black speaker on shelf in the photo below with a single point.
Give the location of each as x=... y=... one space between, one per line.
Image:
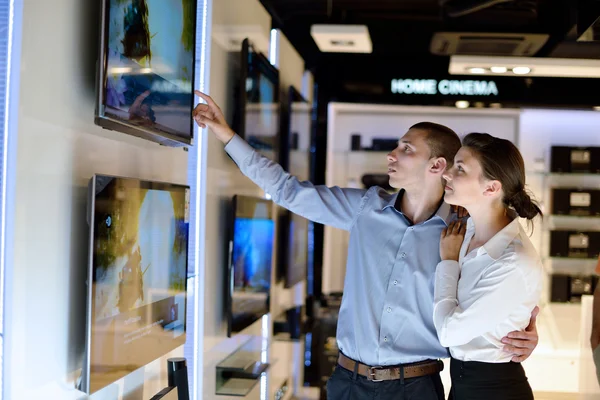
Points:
x=559 y=292
x=580 y=202
x=565 y=288
x=384 y=144
x=355 y=142
x=177 y=376
x=294 y=141
x=566 y=159
x=381 y=180
x=574 y=244
x=582 y=285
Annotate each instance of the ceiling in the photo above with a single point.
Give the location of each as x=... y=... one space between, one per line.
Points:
x=401 y=30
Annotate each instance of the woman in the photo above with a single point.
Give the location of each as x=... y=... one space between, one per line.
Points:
x=489 y=279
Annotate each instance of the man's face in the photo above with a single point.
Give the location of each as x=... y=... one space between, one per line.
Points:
x=408 y=163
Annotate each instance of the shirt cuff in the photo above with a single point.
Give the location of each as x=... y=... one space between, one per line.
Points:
x=238 y=149
x=448 y=267
x=446 y=280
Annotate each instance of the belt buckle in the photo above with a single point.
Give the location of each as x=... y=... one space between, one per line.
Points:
x=372 y=371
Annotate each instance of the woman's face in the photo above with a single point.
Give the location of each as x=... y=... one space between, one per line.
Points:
x=465 y=184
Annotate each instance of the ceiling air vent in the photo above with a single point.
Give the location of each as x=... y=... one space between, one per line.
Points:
x=489 y=44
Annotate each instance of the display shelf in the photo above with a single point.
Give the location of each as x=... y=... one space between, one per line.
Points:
x=561 y=174
x=571 y=222
x=570 y=266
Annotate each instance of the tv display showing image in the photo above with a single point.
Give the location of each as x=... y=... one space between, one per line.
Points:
x=258 y=109
x=298 y=163
x=138 y=273
x=298 y=251
x=146 y=69
x=251 y=258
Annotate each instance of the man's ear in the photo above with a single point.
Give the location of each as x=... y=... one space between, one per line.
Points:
x=439 y=165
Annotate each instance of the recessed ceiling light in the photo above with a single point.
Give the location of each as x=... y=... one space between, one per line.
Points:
x=342 y=42
x=477 y=70
x=521 y=70
x=462 y=104
x=342 y=38
x=498 y=70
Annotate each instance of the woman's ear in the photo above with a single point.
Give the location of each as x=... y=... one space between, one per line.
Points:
x=439 y=165
x=492 y=188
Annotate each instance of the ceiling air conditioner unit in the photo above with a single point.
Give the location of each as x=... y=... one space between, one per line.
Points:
x=489 y=44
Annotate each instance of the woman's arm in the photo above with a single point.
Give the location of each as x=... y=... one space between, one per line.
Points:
x=502 y=289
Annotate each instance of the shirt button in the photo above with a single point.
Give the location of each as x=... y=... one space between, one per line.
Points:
x=402 y=255
x=385 y=339
x=395 y=282
x=389 y=309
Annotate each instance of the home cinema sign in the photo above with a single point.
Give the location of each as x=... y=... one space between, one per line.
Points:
x=445 y=87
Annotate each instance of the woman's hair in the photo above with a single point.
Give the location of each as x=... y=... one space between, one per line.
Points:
x=501 y=160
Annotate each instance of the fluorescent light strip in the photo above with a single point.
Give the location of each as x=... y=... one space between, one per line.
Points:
x=15 y=17
x=274 y=48
x=194 y=284
x=5 y=146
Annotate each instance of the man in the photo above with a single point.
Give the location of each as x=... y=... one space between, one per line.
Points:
x=388 y=344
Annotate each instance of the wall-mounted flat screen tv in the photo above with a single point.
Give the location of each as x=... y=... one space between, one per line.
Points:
x=146 y=69
x=136 y=306
x=250 y=262
x=257 y=110
x=292 y=264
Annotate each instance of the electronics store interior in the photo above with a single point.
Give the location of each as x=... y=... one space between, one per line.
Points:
x=197 y=197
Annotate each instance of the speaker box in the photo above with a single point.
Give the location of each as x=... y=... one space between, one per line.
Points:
x=384 y=144
x=565 y=159
x=565 y=288
x=576 y=202
x=560 y=289
x=355 y=142
x=177 y=376
x=574 y=244
x=381 y=180
x=582 y=285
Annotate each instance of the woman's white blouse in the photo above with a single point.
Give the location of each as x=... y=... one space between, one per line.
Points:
x=486 y=294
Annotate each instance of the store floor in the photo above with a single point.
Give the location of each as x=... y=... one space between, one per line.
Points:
x=561 y=396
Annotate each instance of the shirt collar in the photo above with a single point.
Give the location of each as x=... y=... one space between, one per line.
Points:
x=444 y=211
x=393 y=198
x=500 y=241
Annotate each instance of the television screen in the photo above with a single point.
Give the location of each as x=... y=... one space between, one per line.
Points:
x=251 y=251
x=138 y=275
x=257 y=114
x=146 y=69
x=299 y=166
x=298 y=251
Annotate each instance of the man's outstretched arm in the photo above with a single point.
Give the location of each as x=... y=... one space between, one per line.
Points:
x=330 y=206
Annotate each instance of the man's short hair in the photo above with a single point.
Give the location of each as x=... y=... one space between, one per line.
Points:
x=442 y=141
